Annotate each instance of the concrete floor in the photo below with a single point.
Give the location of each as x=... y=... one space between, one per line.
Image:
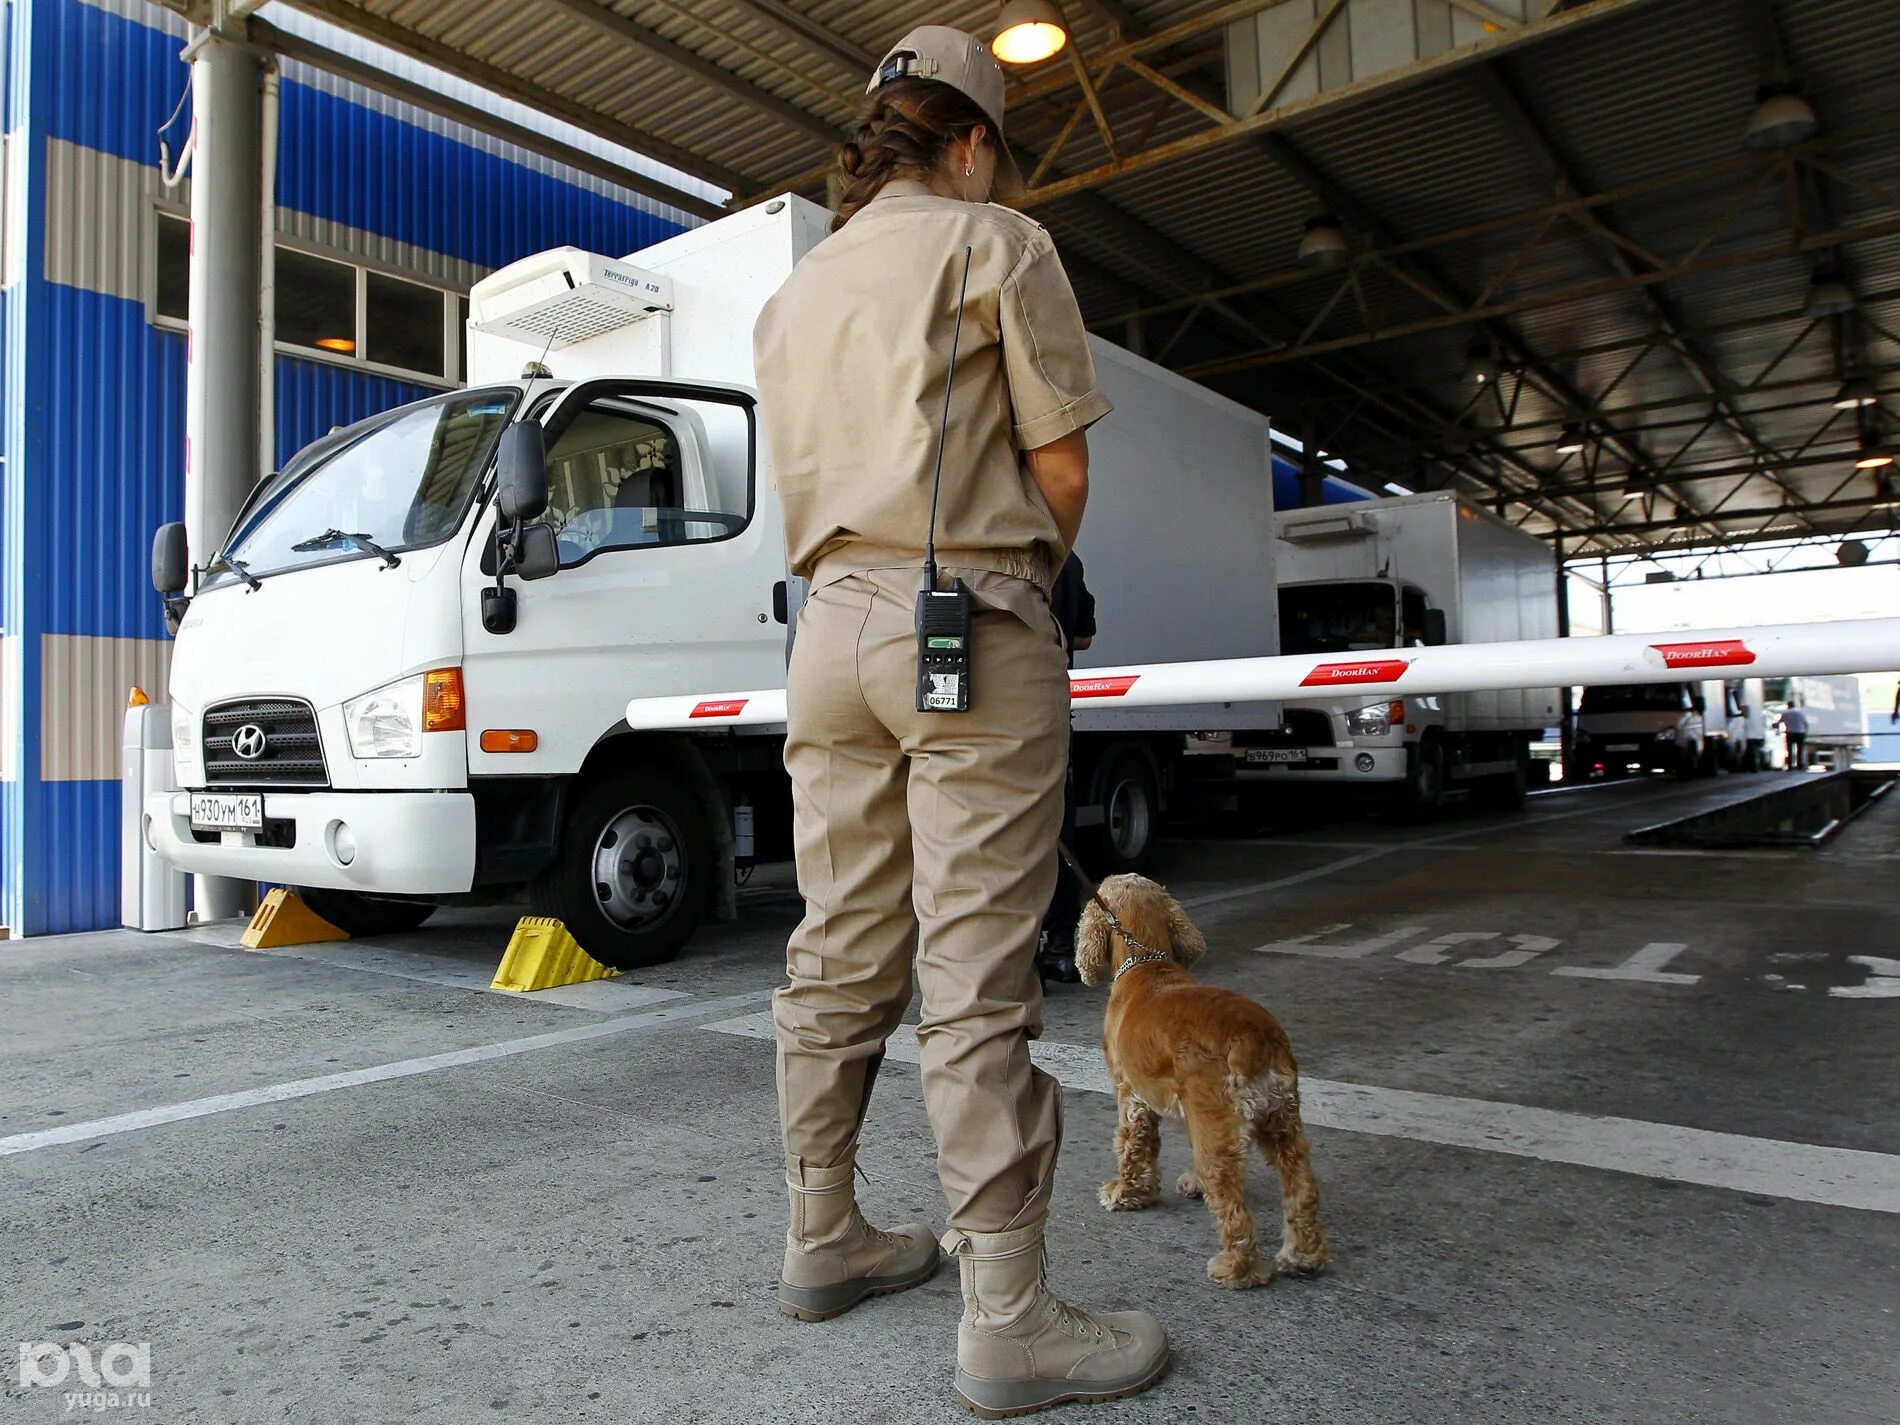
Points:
x=1668 y=1193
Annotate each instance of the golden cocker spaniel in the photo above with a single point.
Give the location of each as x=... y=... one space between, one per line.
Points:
x=1206 y=1055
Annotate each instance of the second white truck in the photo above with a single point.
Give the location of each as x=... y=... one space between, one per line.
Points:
x=1373 y=579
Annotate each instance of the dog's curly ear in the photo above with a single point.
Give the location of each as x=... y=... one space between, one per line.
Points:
x=1183 y=935
x=1091 y=944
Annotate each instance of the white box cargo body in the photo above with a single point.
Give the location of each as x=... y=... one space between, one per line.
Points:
x=1391 y=574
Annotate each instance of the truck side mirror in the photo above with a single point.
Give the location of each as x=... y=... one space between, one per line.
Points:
x=1434 y=628
x=536 y=554
x=522 y=472
x=171 y=559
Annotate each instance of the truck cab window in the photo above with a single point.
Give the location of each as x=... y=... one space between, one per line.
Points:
x=625 y=474
x=1346 y=617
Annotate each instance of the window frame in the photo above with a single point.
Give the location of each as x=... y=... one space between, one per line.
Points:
x=330 y=447
x=577 y=397
x=452 y=377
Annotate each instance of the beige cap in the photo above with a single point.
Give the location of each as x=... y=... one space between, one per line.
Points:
x=949 y=56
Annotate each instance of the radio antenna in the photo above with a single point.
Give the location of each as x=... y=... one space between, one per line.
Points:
x=943 y=430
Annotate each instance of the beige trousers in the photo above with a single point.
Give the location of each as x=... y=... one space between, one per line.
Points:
x=933 y=835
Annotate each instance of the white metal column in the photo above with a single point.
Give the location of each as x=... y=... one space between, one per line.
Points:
x=221 y=380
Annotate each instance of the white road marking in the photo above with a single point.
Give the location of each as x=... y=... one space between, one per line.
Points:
x=1645 y=965
x=355 y=1078
x=1882 y=982
x=1312 y=945
x=1801 y=1172
x=1529 y=947
x=1437 y=952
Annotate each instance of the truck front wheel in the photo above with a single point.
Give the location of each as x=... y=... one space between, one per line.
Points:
x=364 y=915
x=634 y=868
x=1125 y=790
x=1422 y=794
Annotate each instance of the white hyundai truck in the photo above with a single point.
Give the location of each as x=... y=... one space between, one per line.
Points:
x=1368 y=581
x=400 y=681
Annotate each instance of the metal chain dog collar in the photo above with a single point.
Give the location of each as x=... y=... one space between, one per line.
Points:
x=1149 y=955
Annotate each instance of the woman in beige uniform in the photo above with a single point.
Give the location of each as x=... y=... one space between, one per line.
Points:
x=931 y=833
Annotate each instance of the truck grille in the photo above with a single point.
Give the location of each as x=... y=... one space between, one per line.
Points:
x=1303 y=727
x=291 y=754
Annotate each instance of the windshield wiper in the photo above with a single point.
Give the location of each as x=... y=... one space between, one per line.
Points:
x=241 y=569
x=333 y=537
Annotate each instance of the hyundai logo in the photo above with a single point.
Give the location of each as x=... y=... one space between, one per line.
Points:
x=249 y=742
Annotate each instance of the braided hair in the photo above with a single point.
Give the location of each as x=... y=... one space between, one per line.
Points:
x=903 y=130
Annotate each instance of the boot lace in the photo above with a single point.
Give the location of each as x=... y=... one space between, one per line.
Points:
x=1072 y=1321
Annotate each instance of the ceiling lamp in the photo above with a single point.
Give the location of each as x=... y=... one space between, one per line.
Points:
x=1782 y=118
x=345 y=344
x=1029 y=31
x=1874 y=452
x=1855 y=392
x=1828 y=295
x=1572 y=440
x=1850 y=554
x=1324 y=245
x=1481 y=365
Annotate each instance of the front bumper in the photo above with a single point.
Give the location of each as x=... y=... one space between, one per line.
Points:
x=1388 y=765
x=407 y=843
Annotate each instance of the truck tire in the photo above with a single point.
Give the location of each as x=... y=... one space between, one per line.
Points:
x=1421 y=796
x=364 y=915
x=1124 y=788
x=632 y=874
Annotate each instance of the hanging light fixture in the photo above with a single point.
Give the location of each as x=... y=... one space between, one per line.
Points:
x=1855 y=392
x=1874 y=452
x=1850 y=554
x=1571 y=442
x=1828 y=295
x=1481 y=364
x=1324 y=244
x=1782 y=118
x=1029 y=31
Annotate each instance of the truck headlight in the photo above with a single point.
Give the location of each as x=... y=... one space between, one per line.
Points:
x=1373 y=721
x=1668 y=734
x=386 y=722
x=184 y=732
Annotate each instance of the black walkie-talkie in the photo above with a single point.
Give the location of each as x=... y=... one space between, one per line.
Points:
x=943 y=615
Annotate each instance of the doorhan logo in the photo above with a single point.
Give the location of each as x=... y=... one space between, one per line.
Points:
x=117 y=1375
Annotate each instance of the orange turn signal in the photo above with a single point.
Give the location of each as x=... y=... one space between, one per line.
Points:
x=444 y=709
x=138 y=698
x=510 y=739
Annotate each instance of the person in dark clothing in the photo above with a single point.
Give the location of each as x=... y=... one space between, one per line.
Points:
x=1074 y=608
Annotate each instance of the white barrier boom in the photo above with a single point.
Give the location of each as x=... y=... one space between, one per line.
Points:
x=1773 y=651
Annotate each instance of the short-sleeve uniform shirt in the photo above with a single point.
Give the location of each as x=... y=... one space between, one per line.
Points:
x=851 y=357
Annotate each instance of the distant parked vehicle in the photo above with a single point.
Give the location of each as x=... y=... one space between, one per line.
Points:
x=1640 y=727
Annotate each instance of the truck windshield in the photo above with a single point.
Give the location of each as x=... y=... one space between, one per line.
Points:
x=402 y=483
x=1337 y=618
x=1635 y=697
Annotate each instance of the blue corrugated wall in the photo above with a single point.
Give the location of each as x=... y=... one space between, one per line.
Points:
x=93 y=426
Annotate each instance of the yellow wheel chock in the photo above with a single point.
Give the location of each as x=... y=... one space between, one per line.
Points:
x=283 y=919
x=541 y=955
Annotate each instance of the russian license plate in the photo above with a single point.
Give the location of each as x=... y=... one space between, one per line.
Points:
x=1276 y=754
x=225 y=811
x=1623 y=747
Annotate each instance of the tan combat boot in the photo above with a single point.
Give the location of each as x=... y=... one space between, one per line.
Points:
x=1020 y=1349
x=834 y=1258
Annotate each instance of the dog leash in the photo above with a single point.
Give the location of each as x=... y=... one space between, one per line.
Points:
x=1149 y=955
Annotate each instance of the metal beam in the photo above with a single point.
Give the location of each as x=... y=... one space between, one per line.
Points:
x=297 y=48
x=827 y=44
x=510 y=85
x=1535 y=140
x=633 y=35
x=1401 y=77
